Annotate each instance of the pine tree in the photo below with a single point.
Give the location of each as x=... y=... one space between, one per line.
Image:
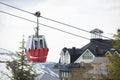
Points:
x=114 y=66
x=116 y=41
x=21 y=69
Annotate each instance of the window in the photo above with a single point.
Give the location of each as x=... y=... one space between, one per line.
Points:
x=41 y=44
x=67 y=58
x=65 y=74
x=45 y=45
x=87 y=55
x=36 y=44
x=62 y=58
x=62 y=74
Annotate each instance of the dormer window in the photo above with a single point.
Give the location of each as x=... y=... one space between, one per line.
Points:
x=87 y=55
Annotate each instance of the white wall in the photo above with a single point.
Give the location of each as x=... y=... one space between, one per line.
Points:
x=64 y=57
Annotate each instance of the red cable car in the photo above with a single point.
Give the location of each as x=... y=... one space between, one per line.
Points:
x=36 y=49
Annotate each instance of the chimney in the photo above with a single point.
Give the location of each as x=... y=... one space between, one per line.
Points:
x=73 y=49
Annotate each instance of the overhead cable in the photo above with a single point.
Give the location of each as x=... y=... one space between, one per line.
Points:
x=45 y=25
x=16 y=8
x=70 y=25
x=51 y=19
x=51 y=27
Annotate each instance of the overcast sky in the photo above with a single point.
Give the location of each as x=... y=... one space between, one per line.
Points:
x=84 y=14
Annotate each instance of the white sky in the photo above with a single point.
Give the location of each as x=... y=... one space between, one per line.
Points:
x=84 y=14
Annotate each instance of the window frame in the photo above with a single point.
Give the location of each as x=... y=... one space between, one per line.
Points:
x=87 y=55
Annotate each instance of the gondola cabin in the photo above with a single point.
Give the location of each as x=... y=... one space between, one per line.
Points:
x=36 y=49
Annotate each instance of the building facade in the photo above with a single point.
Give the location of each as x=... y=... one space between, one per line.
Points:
x=73 y=61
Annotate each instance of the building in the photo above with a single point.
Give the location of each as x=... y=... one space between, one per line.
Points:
x=73 y=60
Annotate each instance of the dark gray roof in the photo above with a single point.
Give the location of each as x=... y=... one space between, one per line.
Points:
x=96 y=31
x=97 y=46
x=74 y=53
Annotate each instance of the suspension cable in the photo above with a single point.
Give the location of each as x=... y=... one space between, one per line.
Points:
x=51 y=19
x=45 y=25
x=52 y=27
x=16 y=8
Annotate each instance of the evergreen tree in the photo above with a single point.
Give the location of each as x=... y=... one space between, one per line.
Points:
x=21 y=69
x=114 y=65
x=116 y=41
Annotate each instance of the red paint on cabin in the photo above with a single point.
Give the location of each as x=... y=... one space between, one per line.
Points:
x=37 y=55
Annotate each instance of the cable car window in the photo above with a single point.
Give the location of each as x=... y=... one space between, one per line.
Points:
x=32 y=45
x=45 y=44
x=36 y=44
x=41 y=43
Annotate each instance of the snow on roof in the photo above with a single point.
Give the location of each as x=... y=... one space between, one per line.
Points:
x=47 y=76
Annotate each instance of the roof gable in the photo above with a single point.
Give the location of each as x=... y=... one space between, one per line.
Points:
x=74 y=53
x=98 y=46
x=88 y=52
x=108 y=53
